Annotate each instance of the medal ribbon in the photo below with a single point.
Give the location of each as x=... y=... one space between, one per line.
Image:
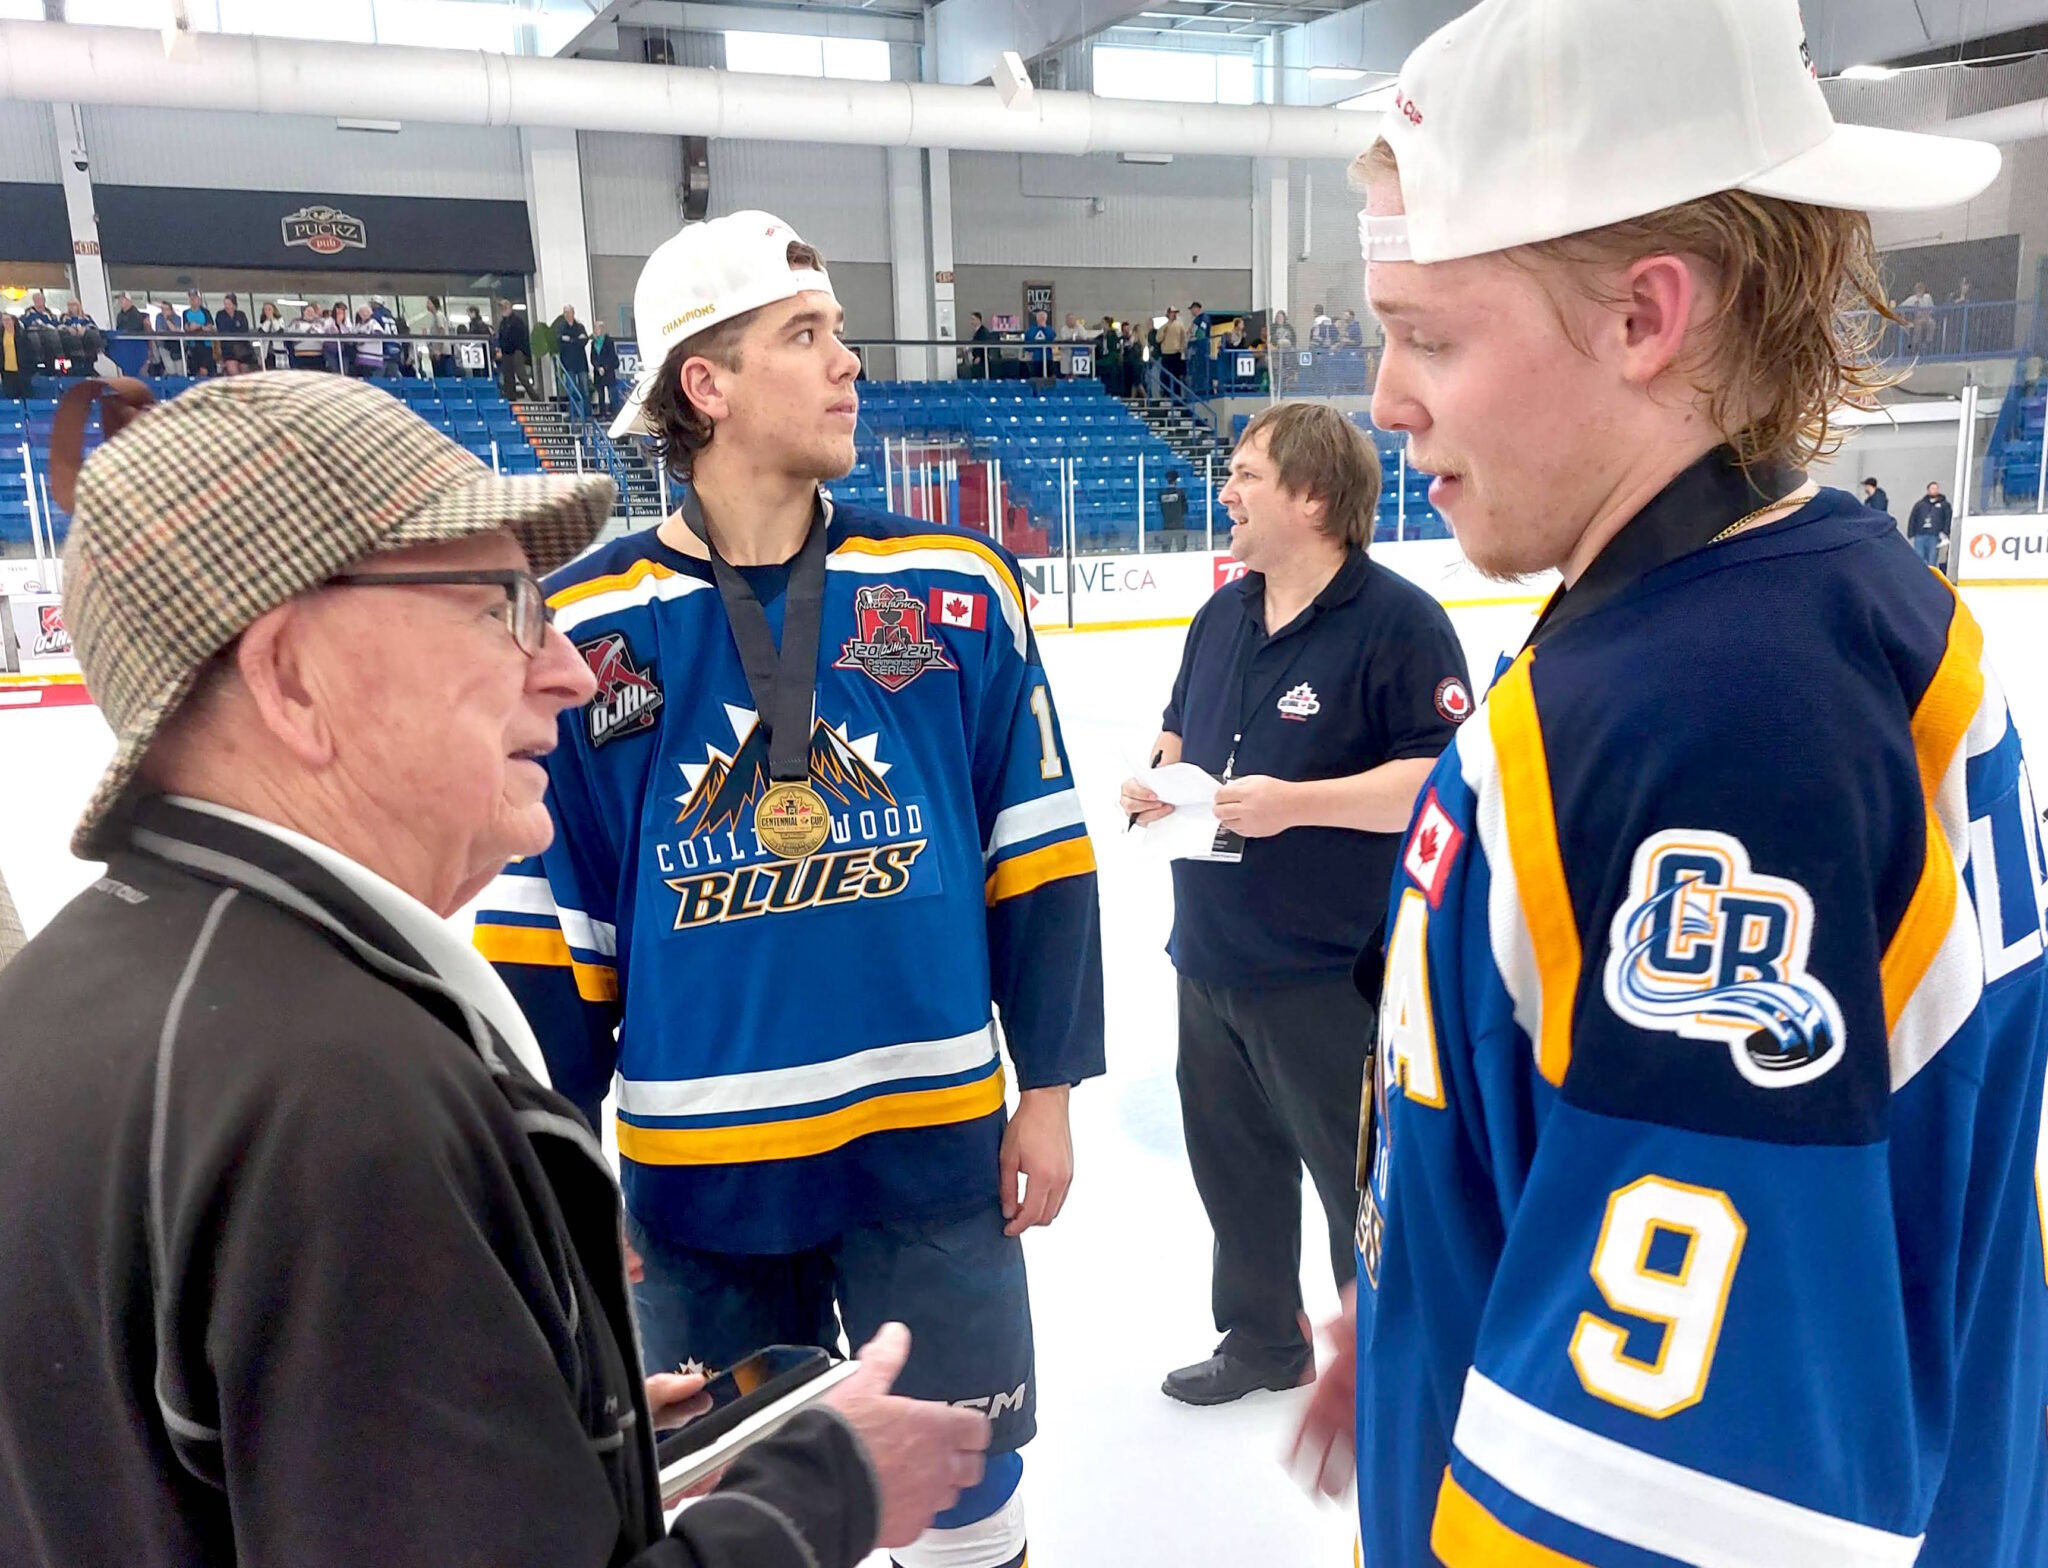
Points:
x=784 y=683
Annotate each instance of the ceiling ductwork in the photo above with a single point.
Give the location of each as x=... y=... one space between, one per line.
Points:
x=49 y=61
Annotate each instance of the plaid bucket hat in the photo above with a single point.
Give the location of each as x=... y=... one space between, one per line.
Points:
x=198 y=515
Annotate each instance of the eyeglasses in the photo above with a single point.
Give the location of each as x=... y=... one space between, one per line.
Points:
x=526 y=613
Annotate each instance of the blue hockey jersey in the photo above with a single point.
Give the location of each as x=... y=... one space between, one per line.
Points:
x=802 y=1047
x=1703 y=1219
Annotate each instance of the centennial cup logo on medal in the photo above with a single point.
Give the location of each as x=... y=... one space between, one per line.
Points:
x=792 y=820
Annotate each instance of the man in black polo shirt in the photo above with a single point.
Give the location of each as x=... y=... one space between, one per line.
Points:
x=1322 y=729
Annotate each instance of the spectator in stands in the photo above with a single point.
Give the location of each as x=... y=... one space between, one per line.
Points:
x=17 y=357
x=396 y=355
x=434 y=327
x=1040 y=331
x=1109 y=358
x=1875 y=498
x=164 y=358
x=1354 y=330
x=129 y=316
x=81 y=337
x=978 y=367
x=270 y=321
x=604 y=371
x=1282 y=335
x=339 y=360
x=515 y=351
x=572 y=351
x=236 y=359
x=477 y=327
x=1919 y=309
x=1072 y=332
x=198 y=351
x=41 y=327
x=1927 y=525
x=1173 y=345
x=367 y=353
x=1200 y=348
x=1322 y=332
x=305 y=351
x=1173 y=512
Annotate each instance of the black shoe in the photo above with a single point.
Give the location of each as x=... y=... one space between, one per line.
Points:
x=1223 y=1378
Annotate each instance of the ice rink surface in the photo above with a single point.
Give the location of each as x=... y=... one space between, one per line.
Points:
x=1119 y=1474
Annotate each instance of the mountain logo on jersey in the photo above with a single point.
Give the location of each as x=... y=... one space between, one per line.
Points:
x=1707 y=948
x=890 y=642
x=720 y=870
x=724 y=790
x=627 y=697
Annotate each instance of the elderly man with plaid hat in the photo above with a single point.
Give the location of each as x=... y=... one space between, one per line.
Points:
x=304 y=1263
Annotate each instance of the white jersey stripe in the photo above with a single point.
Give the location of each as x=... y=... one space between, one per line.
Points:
x=657 y=585
x=515 y=895
x=1514 y=952
x=1954 y=982
x=1031 y=818
x=1650 y=1503
x=782 y=1088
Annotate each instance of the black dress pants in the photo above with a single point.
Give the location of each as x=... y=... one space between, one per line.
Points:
x=1269 y=1082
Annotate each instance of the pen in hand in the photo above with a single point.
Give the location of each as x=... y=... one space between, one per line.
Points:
x=1132 y=820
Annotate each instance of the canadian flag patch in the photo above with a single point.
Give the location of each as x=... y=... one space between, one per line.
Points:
x=950 y=607
x=1431 y=848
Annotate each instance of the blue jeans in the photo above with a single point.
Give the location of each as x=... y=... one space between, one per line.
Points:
x=1929 y=546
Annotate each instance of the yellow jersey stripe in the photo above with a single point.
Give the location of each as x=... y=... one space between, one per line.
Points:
x=639 y=572
x=1465 y=1535
x=1539 y=865
x=808 y=1135
x=548 y=949
x=860 y=544
x=1072 y=857
x=1939 y=724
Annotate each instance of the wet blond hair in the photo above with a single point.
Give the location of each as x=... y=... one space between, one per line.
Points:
x=1802 y=306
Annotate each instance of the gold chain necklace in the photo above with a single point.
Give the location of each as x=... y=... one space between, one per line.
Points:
x=1768 y=512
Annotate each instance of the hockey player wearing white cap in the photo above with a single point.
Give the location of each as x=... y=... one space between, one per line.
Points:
x=816 y=834
x=1700 y=1220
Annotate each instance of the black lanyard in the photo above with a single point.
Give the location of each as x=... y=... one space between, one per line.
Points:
x=784 y=683
x=1250 y=643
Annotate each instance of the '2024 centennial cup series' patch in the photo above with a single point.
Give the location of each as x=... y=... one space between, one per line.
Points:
x=627 y=697
x=890 y=643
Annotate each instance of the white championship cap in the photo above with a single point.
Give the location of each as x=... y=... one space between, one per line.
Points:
x=1527 y=120
x=708 y=273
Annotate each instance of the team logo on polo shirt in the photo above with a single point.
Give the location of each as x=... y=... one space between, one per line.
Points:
x=1299 y=703
x=890 y=641
x=1432 y=847
x=1453 y=701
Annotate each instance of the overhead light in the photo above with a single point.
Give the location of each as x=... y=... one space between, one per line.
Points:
x=1334 y=73
x=384 y=127
x=1868 y=73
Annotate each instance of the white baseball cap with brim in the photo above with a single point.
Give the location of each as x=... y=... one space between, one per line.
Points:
x=1528 y=120
x=709 y=273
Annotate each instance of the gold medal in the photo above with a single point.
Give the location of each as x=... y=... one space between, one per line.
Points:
x=792 y=820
